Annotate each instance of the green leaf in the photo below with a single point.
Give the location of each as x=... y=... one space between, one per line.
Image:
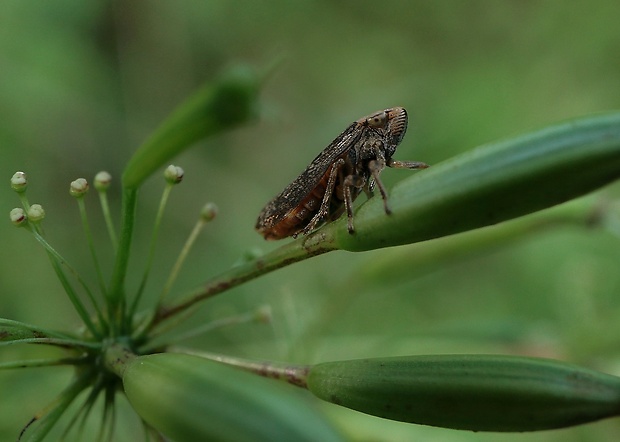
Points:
x=40 y=425
x=229 y=102
x=470 y=392
x=407 y=263
x=488 y=185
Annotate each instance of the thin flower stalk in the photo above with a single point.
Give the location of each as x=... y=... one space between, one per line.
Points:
x=91 y=245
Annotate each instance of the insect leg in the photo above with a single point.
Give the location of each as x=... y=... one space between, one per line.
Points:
x=329 y=192
x=350 y=181
x=375 y=167
x=369 y=188
x=406 y=164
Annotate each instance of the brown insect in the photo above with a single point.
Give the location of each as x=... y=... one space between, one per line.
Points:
x=332 y=181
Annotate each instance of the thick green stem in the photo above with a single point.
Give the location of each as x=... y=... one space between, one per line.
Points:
x=116 y=357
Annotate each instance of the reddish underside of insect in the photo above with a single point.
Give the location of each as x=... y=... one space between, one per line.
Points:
x=334 y=179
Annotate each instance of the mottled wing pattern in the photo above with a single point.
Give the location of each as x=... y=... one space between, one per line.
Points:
x=290 y=197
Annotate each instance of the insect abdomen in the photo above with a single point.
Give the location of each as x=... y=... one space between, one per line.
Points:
x=299 y=217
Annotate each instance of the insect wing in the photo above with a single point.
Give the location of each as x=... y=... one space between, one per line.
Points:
x=289 y=199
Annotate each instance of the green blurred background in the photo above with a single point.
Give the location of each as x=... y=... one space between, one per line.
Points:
x=82 y=84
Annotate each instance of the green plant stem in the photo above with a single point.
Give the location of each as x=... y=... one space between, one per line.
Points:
x=68 y=343
x=174 y=273
x=35 y=363
x=105 y=208
x=57 y=261
x=91 y=247
x=292 y=374
x=40 y=331
x=24 y=199
x=116 y=357
x=203 y=329
x=116 y=293
x=314 y=244
x=108 y=420
x=149 y=263
x=84 y=410
x=49 y=416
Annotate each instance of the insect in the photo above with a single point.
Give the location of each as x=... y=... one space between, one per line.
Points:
x=334 y=179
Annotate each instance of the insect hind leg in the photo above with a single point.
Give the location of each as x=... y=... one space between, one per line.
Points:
x=329 y=191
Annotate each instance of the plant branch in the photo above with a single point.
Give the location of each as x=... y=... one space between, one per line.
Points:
x=314 y=244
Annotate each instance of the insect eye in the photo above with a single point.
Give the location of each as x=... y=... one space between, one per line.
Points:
x=378 y=120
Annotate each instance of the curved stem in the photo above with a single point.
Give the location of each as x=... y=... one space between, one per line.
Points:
x=314 y=244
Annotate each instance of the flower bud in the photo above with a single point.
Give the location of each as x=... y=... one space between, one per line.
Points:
x=208 y=212
x=19 y=182
x=36 y=213
x=78 y=187
x=174 y=174
x=18 y=216
x=102 y=181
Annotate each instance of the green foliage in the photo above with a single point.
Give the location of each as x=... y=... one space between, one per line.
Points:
x=84 y=83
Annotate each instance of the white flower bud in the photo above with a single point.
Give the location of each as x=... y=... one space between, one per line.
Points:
x=18 y=216
x=78 y=187
x=174 y=174
x=102 y=181
x=19 y=182
x=36 y=213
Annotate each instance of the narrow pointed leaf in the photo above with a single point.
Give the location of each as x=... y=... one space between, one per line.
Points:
x=226 y=103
